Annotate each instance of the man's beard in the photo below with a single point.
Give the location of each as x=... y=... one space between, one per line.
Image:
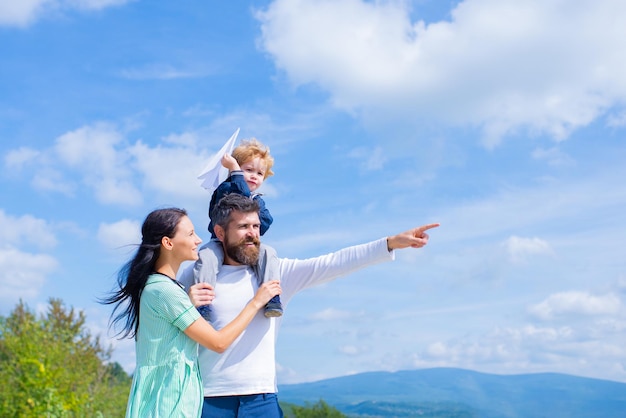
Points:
x=243 y=253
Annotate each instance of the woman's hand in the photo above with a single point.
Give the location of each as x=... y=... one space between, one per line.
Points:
x=201 y=294
x=219 y=340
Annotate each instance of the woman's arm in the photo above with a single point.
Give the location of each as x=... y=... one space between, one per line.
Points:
x=203 y=333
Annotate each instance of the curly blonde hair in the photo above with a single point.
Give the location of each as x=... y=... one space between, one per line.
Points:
x=252 y=148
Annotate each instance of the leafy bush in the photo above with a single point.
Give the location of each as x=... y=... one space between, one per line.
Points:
x=51 y=366
x=320 y=409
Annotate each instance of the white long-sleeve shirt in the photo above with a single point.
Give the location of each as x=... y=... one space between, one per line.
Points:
x=248 y=366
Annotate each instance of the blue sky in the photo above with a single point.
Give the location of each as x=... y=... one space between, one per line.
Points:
x=503 y=120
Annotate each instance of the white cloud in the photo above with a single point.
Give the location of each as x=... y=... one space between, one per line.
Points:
x=51 y=180
x=94 y=4
x=21 y=13
x=24 y=12
x=172 y=170
x=97 y=152
x=23 y=274
x=100 y=158
x=498 y=346
x=186 y=139
x=89 y=145
x=350 y=350
x=332 y=314
x=554 y=156
x=503 y=65
x=474 y=352
x=519 y=249
x=158 y=72
x=39 y=163
x=535 y=333
x=26 y=229
x=576 y=302
x=371 y=159
x=18 y=158
x=526 y=349
x=119 y=234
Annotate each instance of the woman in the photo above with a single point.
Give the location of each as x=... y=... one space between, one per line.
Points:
x=166 y=326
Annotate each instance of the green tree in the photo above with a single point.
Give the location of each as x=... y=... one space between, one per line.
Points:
x=318 y=410
x=52 y=366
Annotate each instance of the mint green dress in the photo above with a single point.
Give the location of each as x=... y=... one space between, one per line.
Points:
x=167 y=381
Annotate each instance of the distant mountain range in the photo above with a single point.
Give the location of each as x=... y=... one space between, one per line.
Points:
x=448 y=392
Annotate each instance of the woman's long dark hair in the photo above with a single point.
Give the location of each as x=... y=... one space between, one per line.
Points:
x=133 y=276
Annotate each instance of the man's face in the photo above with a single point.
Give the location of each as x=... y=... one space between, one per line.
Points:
x=241 y=239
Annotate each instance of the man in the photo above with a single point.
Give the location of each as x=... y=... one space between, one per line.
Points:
x=241 y=382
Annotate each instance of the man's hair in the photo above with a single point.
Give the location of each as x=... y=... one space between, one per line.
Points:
x=230 y=203
x=252 y=148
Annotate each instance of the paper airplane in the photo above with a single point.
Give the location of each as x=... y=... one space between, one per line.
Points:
x=214 y=173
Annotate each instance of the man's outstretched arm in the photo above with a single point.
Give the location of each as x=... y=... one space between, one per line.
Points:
x=414 y=238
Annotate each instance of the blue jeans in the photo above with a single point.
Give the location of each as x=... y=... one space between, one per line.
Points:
x=261 y=405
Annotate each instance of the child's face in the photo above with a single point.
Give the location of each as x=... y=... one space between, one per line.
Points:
x=254 y=173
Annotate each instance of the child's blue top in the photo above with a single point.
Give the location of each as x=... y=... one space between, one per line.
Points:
x=235 y=183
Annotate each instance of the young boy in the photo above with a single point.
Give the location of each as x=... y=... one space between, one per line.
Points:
x=249 y=165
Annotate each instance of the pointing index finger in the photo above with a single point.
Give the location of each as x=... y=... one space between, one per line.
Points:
x=427 y=227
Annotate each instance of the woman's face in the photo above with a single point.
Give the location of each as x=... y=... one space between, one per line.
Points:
x=185 y=241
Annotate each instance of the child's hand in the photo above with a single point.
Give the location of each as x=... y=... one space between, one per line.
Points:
x=266 y=292
x=201 y=294
x=229 y=162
